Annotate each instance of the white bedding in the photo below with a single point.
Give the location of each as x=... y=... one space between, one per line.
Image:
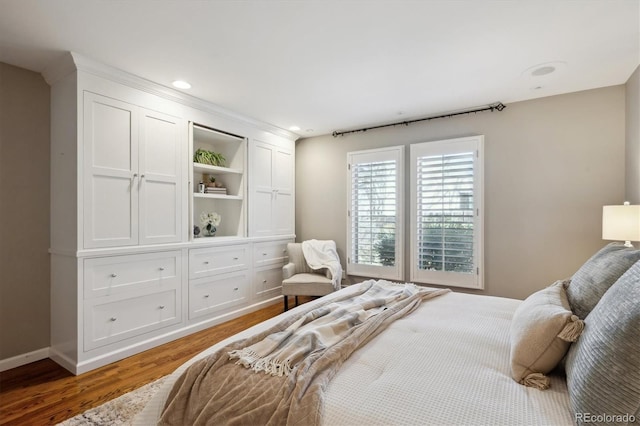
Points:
x=445 y=363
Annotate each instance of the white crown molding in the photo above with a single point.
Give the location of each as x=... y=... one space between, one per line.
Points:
x=73 y=61
x=59 y=69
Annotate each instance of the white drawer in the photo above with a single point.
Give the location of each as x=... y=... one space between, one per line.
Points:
x=208 y=295
x=267 y=282
x=218 y=260
x=112 y=319
x=270 y=253
x=106 y=276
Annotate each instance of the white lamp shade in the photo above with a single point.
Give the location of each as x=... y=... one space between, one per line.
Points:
x=621 y=223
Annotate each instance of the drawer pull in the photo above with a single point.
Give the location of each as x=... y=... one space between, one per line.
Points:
x=264 y=281
x=206 y=296
x=235 y=258
x=235 y=289
x=162 y=268
x=264 y=254
x=161 y=306
x=113 y=319
x=206 y=262
x=114 y=275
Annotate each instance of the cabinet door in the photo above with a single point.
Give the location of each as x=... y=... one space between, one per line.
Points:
x=262 y=191
x=283 y=201
x=110 y=164
x=160 y=188
x=272 y=194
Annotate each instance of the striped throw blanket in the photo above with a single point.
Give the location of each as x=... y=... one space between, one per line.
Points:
x=320 y=329
x=300 y=355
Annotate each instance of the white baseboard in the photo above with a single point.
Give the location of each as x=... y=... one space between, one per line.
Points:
x=20 y=360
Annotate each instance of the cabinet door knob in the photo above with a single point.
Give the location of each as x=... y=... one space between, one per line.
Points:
x=206 y=296
x=264 y=254
x=235 y=289
x=264 y=281
x=113 y=319
x=162 y=268
x=114 y=275
x=142 y=176
x=161 y=306
x=206 y=262
x=235 y=258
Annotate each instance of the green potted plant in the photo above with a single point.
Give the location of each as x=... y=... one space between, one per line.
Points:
x=211 y=158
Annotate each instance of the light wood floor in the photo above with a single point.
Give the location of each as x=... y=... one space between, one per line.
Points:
x=43 y=393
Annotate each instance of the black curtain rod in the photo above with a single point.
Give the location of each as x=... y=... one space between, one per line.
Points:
x=497 y=106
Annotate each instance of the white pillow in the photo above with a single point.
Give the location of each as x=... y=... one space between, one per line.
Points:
x=541 y=331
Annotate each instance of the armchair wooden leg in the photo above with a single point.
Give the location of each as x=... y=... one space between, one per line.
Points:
x=286 y=303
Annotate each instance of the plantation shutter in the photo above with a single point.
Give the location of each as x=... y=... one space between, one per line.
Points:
x=375 y=219
x=446 y=212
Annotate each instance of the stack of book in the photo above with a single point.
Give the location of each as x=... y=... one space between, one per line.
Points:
x=213 y=190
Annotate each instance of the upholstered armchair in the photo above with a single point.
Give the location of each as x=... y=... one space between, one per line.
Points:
x=299 y=279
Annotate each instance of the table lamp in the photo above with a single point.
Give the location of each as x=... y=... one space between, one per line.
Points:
x=621 y=223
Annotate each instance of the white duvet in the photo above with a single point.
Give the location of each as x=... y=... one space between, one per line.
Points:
x=445 y=363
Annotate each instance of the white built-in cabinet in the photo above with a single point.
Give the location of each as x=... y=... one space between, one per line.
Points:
x=127 y=271
x=132 y=174
x=272 y=189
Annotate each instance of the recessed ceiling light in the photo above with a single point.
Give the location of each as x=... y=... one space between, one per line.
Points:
x=545 y=70
x=181 y=84
x=294 y=128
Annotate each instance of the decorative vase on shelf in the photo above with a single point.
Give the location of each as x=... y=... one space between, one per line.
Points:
x=210 y=222
x=210 y=231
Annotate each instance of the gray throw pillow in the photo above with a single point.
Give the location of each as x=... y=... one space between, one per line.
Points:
x=599 y=273
x=603 y=366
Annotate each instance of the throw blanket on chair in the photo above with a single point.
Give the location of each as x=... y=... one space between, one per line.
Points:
x=300 y=356
x=321 y=254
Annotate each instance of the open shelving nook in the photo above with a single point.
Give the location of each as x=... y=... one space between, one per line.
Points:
x=227 y=197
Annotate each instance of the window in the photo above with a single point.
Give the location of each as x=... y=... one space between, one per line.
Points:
x=375 y=216
x=446 y=212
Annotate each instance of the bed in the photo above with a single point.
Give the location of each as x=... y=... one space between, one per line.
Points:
x=449 y=362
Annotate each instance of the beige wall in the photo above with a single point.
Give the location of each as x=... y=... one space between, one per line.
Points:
x=550 y=166
x=24 y=211
x=632 y=121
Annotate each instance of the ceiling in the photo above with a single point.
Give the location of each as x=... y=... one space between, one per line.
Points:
x=338 y=65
